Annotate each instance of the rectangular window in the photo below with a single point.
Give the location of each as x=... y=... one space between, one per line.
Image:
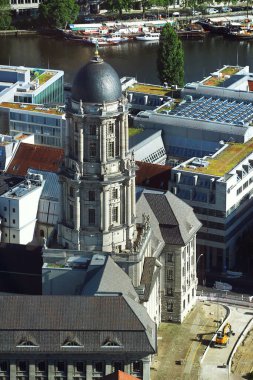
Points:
x=170 y=292
x=13 y=210
x=115 y=214
x=5 y=208
x=98 y=367
x=91 y=196
x=110 y=128
x=80 y=367
x=169 y=274
x=111 y=149
x=93 y=149
x=114 y=193
x=40 y=366
x=13 y=221
x=93 y=130
x=169 y=257
x=92 y=216
x=59 y=367
x=117 y=366
x=71 y=212
x=22 y=366
x=71 y=191
x=137 y=367
x=170 y=307
x=3 y=366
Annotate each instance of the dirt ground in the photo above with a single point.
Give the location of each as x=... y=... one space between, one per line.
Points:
x=181 y=346
x=242 y=362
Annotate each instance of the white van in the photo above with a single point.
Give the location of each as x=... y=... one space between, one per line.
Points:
x=222 y=286
x=211 y=11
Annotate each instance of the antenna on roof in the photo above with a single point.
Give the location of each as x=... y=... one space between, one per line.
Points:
x=237 y=57
x=9 y=60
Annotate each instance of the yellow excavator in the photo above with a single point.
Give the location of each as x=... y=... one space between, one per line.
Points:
x=222 y=337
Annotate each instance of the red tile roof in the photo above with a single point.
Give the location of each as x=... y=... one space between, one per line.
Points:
x=119 y=375
x=34 y=156
x=152 y=175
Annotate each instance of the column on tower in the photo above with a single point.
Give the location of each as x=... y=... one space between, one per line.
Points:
x=122 y=137
x=128 y=202
x=106 y=211
x=103 y=140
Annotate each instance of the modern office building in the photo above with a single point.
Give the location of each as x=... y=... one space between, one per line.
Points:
x=46 y=123
x=31 y=85
x=219 y=188
x=217 y=109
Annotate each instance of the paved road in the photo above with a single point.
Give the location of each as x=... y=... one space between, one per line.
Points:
x=212 y=364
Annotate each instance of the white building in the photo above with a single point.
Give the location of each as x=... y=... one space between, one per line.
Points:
x=27 y=7
x=219 y=188
x=18 y=210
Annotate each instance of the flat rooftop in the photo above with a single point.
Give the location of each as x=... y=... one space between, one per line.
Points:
x=22 y=189
x=221 y=163
x=32 y=108
x=150 y=89
x=212 y=109
x=222 y=76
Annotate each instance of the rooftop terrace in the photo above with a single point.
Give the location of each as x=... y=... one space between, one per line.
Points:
x=32 y=107
x=221 y=76
x=224 y=161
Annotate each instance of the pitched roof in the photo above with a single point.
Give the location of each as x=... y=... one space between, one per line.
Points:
x=177 y=221
x=153 y=175
x=108 y=278
x=35 y=156
x=119 y=375
x=52 y=320
x=149 y=276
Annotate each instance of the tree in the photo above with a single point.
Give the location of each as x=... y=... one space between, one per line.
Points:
x=5 y=15
x=58 y=13
x=170 y=60
x=119 y=5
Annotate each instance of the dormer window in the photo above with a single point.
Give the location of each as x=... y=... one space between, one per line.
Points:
x=111 y=343
x=27 y=342
x=72 y=342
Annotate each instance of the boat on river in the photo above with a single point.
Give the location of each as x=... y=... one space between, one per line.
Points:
x=194 y=31
x=148 y=36
x=242 y=35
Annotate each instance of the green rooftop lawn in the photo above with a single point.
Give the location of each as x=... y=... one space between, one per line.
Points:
x=149 y=89
x=226 y=160
x=43 y=78
x=134 y=131
x=217 y=81
x=230 y=70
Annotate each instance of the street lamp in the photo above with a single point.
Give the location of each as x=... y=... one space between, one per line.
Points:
x=198 y=259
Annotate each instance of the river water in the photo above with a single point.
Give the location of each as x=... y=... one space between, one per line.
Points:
x=135 y=58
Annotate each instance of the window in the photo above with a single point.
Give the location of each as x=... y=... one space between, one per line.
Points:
x=170 y=292
x=42 y=234
x=91 y=196
x=93 y=149
x=59 y=366
x=79 y=367
x=3 y=366
x=5 y=208
x=22 y=366
x=169 y=274
x=117 y=366
x=137 y=367
x=98 y=367
x=71 y=191
x=92 y=216
x=115 y=214
x=110 y=128
x=13 y=221
x=71 y=212
x=13 y=236
x=93 y=130
x=170 y=307
x=111 y=149
x=114 y=193
x=169 y=257
x=41 y=366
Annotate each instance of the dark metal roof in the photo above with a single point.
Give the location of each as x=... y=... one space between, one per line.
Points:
x=153 y=176
x=96 y=82
x=49 y=321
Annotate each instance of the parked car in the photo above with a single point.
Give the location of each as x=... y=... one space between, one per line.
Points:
x=196 y=13
x=226 y=9
x=175 y=14
x=211 y=11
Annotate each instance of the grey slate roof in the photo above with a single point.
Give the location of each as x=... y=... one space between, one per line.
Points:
x=140 y=138
x=108 y=278
x=51 y=189
x=148 y=276
x=49 y=321
x=176 y=220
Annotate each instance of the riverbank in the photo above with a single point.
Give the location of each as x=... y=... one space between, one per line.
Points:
x=17 y=32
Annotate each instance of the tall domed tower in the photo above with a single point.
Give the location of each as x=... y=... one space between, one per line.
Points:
x=98 y=175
